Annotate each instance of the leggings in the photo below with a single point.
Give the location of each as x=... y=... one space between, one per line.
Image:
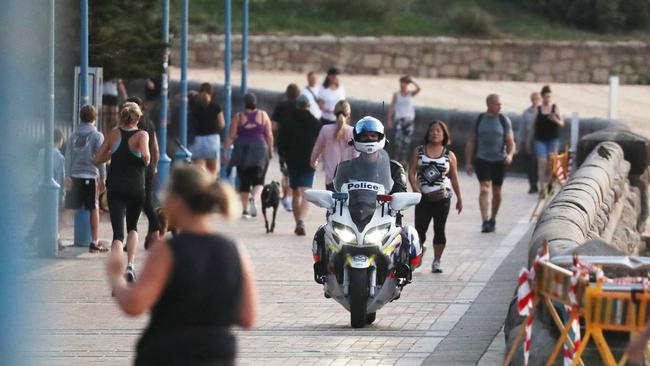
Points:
x=438 y=211
x=121 y=205
x=149 y=209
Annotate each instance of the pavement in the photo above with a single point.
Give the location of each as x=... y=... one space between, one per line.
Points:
x=588 y=100
x=78 y=323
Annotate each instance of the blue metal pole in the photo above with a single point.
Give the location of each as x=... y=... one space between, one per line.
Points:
x=164 y=161
x=49 y=187
x=227 y=111
x=82 y=235
x=83 y=65
x=244 y=49
x=183 y=154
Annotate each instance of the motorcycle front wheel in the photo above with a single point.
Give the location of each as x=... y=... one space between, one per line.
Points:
x=358 y=296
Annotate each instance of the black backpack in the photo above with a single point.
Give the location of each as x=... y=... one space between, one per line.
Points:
x=479 y=119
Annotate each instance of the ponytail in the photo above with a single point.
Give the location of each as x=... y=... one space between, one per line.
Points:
x=201 y=195
x=342 y=111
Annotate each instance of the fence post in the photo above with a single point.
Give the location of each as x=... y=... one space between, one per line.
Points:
x=164 y=161
x=613 y=97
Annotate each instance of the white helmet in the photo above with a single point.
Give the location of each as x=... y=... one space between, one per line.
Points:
x=365 y=125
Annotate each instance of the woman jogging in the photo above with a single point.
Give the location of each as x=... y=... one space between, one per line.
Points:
x=128 y=149
x=197 y=285
x=433 y=172
x=332 y=143
x=252 y=135
x=546 y=136
x=208 y=123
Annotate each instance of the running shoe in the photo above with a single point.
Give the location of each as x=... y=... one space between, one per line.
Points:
x=130 y=274
x=245 y=215
x=300 y=229
x=485 y=228
x=533 y=190
x=435 y=267
x=97 y=248
x=252 y=209
x=492 y=225
x=286 y=203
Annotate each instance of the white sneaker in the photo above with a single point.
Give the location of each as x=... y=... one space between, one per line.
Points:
x=245 y=215
x=286 y=203
x=435 y=267
x=252 y=209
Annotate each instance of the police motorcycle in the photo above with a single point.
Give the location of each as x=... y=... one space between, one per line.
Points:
x=363 y=257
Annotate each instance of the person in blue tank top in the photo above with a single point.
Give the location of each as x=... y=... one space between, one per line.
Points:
x=197 y=284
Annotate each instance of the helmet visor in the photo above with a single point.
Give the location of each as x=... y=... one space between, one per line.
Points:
x=369 y=125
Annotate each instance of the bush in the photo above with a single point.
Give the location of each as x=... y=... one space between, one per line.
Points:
x=379 y=9
x=636 y=13
x=472 y=21
x=598 y=15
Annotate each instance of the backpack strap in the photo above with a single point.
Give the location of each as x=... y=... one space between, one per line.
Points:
x=477 y=122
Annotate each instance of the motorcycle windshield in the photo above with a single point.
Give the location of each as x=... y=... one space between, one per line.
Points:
x=374 y=168
x=363 y=178
x=361 y=205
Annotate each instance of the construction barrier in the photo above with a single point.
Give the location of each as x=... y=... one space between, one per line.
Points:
x=619 y=305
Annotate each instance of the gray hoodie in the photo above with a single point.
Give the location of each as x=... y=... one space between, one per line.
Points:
x=80 y=153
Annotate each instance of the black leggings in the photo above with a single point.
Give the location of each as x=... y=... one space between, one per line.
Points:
x=121 y=205
x=149 y=207
x=438 y=211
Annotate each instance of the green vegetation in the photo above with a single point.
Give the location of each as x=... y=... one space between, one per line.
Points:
x=527 y=19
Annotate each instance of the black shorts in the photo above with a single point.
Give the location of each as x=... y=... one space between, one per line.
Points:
x=250 y=177
x=487 y=171
x=83 y=193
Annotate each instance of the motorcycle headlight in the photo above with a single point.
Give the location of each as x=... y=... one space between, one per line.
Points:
x=344 y=233
x=375 y=236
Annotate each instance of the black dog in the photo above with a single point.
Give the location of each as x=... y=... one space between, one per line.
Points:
x=270 y=199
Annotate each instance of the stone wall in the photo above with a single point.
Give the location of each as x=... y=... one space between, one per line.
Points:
x=441 y=57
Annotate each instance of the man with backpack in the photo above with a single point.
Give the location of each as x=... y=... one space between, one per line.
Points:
x=489 y=150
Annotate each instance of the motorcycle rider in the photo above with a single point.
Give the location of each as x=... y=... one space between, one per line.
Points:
x=369 y=139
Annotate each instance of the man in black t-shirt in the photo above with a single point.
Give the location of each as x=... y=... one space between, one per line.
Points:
x=295 y=142
x=282 y=113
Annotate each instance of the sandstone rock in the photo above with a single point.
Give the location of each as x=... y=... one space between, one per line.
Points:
x=636 y=148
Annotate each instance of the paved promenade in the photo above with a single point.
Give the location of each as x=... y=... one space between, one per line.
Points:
x=79 y=324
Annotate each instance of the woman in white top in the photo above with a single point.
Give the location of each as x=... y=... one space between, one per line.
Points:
x=112 y=91
x=401 y=117
x=330 y=94
x=332 y=143
x=433 y=172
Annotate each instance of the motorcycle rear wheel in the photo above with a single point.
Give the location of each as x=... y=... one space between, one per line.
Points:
x=358 y=297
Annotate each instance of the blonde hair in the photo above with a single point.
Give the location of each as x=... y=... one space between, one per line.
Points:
x=342 y=111
x=130 y=113
x=201 y=193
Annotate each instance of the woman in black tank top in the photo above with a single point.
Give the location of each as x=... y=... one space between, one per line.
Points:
x=547 y=135
x=128 y=149
x=197 y=285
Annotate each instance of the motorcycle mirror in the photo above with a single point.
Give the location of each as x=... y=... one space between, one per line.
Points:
x=320 y=198
x=402 y=200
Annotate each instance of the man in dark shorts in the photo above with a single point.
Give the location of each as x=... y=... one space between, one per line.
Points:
x=84 y=179
x=489 y=150
x=295 y=142
x=281 y=115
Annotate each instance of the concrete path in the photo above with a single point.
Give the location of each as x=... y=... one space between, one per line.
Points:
x=79 y=324
x=589 y=100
